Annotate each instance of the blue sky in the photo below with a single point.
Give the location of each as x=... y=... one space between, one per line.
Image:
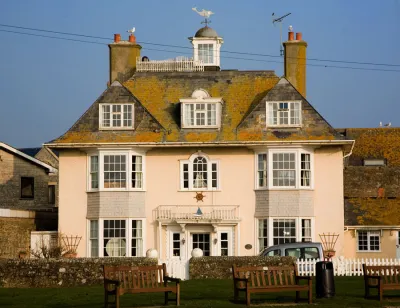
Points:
x=47 y=84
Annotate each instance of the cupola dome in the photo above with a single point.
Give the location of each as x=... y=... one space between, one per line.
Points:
x=206 y=32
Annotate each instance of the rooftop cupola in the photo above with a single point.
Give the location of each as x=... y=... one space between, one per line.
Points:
x=207 y=44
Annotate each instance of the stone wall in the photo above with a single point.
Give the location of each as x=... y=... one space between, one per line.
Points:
x=34 y=273
x=221 y=267
x=15 y=235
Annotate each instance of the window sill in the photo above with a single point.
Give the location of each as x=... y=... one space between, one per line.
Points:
x=284 y=126
x=197 y=190
x=201 y=126
x=284 y=188
x=116 y=128
x=117 y=190
x=368 y=251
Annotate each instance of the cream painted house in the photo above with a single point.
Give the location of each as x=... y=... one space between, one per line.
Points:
x=177 y=155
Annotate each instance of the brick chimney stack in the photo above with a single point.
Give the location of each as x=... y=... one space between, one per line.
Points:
x=295 y=61
x=123 y=55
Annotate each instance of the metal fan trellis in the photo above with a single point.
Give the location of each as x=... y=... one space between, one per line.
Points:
x=71 y=243
x=328 y=242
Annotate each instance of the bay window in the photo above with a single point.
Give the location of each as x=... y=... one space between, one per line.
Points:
x=281 y=230
x=116 y=171
x=116 y=238
x=291 y=168
x=199 y=173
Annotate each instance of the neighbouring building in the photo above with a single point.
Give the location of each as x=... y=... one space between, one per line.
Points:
x=181 y=154
x=372 y=193
x=28 y=198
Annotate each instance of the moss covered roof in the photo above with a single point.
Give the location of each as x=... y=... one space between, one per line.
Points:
x=157 y=110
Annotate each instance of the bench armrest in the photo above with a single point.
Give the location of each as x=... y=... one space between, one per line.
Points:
x=111 y=281
x=167 y=278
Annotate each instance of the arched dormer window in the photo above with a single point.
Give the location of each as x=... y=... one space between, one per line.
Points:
x=201 y=110
x=199 y=172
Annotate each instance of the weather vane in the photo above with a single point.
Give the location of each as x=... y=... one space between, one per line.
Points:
x=204 y=13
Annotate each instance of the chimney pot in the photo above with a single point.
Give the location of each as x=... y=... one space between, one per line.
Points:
x=132 y=39
x=117 y=38
x=291 y=36
x=299 y=36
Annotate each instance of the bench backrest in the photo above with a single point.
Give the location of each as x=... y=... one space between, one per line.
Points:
x=267 y=276
x=390 y=273
x=140 y=277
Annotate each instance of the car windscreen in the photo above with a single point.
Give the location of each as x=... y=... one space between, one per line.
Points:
x=272 y=253
x=303 y=253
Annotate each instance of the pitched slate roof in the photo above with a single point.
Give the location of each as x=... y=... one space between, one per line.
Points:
x=157 y=110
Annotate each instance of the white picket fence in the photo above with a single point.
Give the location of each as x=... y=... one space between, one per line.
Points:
x=342 y=266
x=179 y=268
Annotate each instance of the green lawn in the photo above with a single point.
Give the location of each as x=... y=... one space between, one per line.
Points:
x=194 y=293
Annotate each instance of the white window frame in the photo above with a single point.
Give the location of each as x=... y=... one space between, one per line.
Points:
x=111 y=127
x=370 y=233
x=201 y=96
x=229 y=232
x=128 y=159
x=189 y=162
x=270 y=234
x=128 y=223
x=269 y=110
x=217 y=107
x=297 y=152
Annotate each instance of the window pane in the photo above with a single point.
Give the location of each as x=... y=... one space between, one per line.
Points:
x=224 y=244
x=202 y=241
x=284 y=231
x=306 y=230
x=106 y=115
x=262 y=233
x=200 y=172
x=27 y=187
x=52 y=194
x=305 y=169
x=114 y=235
x=214 y=175
x=137 y=174
x=262 y=170
x=284 y=169
x=114 y=171
x=362 y=240
x=94 y=172
x=127 y=116
x=185 y=175
x=137 y=240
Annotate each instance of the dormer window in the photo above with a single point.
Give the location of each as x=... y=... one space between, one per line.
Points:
x=285 y=113
x=116 y=116
x=201 y=110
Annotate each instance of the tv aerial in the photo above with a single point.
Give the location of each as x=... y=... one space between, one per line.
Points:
x=279 y=20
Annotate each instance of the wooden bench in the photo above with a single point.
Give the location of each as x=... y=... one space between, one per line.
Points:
x=119 y=280
x=252 y=279
x=381 y=277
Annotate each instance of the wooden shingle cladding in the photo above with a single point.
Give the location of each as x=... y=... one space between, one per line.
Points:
x=157 y=110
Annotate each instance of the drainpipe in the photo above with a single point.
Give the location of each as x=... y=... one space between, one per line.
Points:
x=351 y=151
